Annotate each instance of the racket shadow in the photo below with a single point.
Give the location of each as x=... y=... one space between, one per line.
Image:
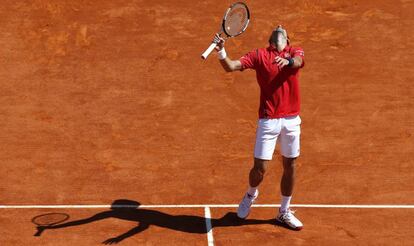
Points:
x=47 y=220
x=129 y=210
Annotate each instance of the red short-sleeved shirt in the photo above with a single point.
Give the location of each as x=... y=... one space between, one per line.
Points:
x=279 y=88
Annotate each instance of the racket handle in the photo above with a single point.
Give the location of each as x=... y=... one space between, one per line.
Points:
x=208 y=50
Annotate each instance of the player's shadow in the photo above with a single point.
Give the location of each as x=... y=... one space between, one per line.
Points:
x=128 y=210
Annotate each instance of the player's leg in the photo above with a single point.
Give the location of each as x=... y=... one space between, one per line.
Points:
x=266 y=137
x=288 y=178
x=290 y=150
x=256 y=176
x=287 y=182
x=257 y=172
x=267 y=133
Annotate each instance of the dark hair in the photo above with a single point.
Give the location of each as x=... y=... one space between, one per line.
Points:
x=273 y=36
x=125 y=204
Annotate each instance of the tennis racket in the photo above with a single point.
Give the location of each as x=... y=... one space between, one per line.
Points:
x=235 y=21
x=44 y=220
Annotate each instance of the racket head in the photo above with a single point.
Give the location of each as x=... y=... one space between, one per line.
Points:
x=50 y=219
x=236 y=19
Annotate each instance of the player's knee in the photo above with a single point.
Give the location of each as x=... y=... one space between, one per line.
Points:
x=259 y=166
x=289 y=163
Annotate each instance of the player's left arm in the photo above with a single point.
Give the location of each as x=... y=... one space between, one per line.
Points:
x=296 y=61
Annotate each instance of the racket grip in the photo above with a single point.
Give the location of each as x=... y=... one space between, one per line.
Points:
x=208 y=50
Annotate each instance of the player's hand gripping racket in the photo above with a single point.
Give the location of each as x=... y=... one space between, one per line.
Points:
x=235 y=21
x=47 y=220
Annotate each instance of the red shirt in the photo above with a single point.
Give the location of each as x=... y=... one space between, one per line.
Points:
x=279 y=88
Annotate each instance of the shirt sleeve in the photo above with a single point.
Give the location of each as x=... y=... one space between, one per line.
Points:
x=298 y=52
x=249 y=60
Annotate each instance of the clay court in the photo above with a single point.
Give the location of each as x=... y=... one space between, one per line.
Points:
x=108 y=103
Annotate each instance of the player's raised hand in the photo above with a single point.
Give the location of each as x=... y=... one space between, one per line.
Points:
x=40 y=230
x=219 y=41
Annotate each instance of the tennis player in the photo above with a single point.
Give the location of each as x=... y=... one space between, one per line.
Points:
x=277 y=72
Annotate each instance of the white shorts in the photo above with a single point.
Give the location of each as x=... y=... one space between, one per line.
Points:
x=286 y=130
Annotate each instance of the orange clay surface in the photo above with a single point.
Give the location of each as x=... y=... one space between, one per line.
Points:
x=105 y=100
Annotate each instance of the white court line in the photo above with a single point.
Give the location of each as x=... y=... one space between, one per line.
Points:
x=206 y=205
x=209 y=228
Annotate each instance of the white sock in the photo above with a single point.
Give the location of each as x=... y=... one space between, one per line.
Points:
x=252 y=191
x=284 y=206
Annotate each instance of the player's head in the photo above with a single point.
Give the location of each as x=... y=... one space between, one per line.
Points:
x=125 y=204
x=279 y=38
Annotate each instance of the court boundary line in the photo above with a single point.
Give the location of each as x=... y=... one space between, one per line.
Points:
x=209 y=228
x=97 y=206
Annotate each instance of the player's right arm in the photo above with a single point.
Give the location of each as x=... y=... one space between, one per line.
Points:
x=228 y=64
x=231 y=65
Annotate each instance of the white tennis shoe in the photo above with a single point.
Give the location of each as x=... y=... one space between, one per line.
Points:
x=287 y=218
x=244 y=207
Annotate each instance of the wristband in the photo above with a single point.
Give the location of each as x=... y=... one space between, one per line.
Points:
x=291 y=61
x=222 y=54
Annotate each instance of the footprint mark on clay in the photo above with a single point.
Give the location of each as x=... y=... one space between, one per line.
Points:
x=56 y=43
x=339 y=16
x=377 y=14
x=167 y=99
x=82 y=37
x=329 y=34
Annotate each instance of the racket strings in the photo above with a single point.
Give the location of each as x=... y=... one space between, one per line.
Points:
x=50 y=219
x=236 y=20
